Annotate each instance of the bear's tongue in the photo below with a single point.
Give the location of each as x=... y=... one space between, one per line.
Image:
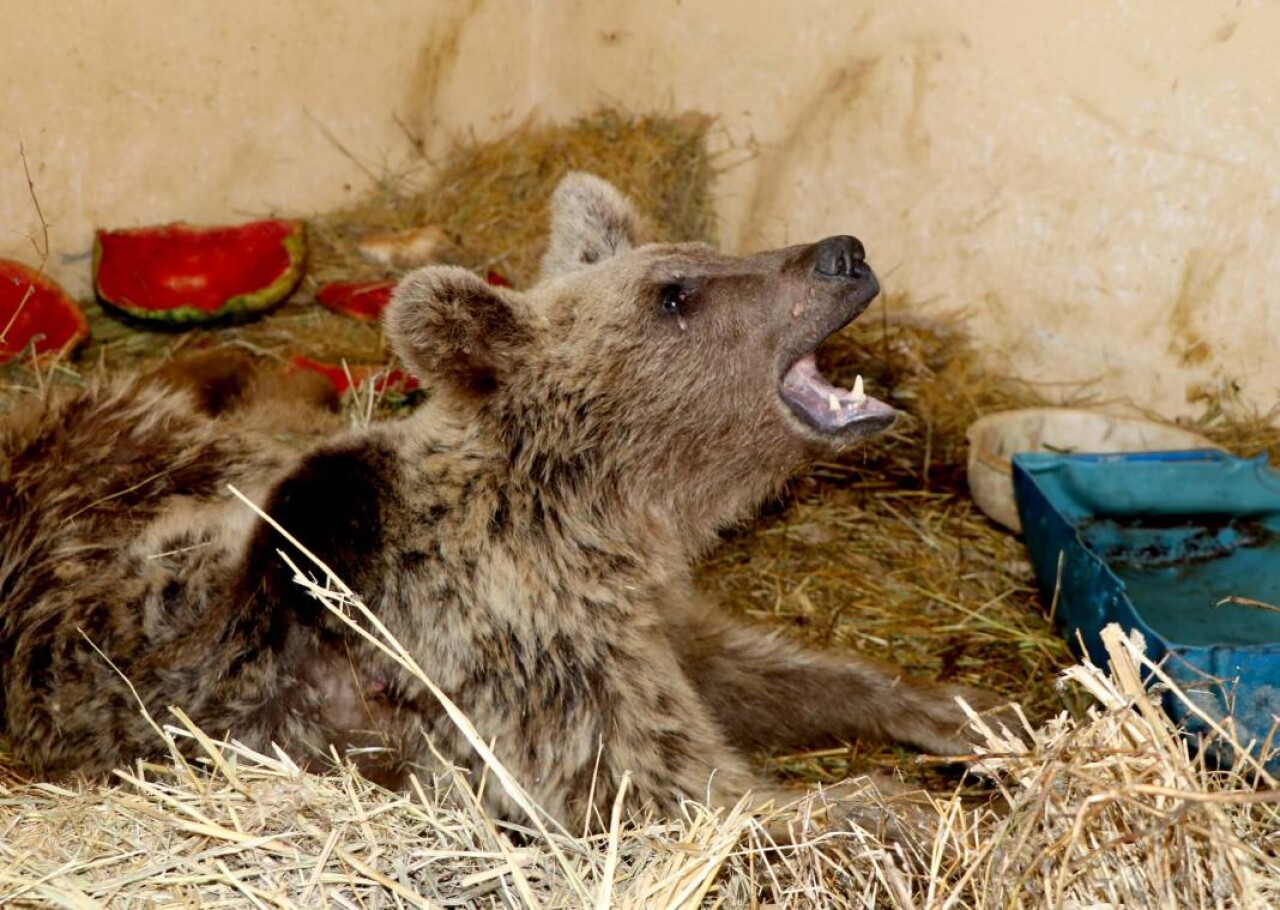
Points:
x=823 y=405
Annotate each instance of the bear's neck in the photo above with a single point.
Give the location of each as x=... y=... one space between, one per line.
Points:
x=572 y=481
x=569 y=494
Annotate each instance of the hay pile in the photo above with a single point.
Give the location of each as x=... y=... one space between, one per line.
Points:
x=491 y=199
x=1104 y=810
x=880 y=551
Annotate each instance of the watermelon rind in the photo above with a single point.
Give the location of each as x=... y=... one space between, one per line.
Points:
x=237 y=308
x=46 y=292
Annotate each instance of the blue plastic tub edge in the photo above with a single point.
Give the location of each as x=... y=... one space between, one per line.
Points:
x=1242 y=682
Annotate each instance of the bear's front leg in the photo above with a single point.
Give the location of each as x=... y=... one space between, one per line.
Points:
x=571 y=717
x=770 y=692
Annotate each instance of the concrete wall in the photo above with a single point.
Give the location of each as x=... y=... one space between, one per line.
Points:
x=1095 y=183
x=139 y=111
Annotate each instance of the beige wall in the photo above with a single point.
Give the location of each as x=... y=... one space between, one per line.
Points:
x=139 y=111
x=1096 y=183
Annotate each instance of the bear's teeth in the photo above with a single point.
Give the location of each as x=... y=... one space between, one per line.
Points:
x=859 y=394
x=833 y=402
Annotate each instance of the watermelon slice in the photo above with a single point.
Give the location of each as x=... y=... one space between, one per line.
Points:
x=181 y=275
x=363 y=300
x=353 y=375
x=35 y=311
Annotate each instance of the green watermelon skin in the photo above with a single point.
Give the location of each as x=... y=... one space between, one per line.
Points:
x=180 y=276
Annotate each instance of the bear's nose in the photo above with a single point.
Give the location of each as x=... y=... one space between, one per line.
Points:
x=841 y=257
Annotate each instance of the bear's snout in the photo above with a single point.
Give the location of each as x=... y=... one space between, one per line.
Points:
x=841 y=257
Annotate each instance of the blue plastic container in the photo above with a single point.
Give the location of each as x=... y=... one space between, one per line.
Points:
x=1159 y=542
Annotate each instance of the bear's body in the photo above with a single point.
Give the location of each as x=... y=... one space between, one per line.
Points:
x=527 y=535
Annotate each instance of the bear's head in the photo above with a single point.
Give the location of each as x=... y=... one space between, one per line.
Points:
x=677 y=378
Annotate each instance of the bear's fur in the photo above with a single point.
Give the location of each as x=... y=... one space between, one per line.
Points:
x=526 y=534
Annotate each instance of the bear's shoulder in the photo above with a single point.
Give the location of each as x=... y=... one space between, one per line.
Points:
x=335 y=504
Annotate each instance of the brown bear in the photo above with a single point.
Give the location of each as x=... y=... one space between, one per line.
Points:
x=526 y=534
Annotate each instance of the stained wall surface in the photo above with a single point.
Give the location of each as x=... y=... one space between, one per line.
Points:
x=1095 y=184
x=142 y=111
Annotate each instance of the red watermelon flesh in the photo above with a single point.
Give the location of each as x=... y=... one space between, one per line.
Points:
x=359 y=299
x=35 y=311
x=366 y=300
x=344 y=377
x=186 y=275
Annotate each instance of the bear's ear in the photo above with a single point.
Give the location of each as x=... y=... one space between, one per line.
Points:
x=446 y=324
x=590 y=221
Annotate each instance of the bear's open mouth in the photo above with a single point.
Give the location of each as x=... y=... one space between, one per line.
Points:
x=828 y=408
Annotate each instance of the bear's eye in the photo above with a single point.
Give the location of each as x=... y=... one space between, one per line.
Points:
x=674 y=297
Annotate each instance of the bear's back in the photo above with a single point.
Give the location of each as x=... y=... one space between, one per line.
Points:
x=120 y=534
